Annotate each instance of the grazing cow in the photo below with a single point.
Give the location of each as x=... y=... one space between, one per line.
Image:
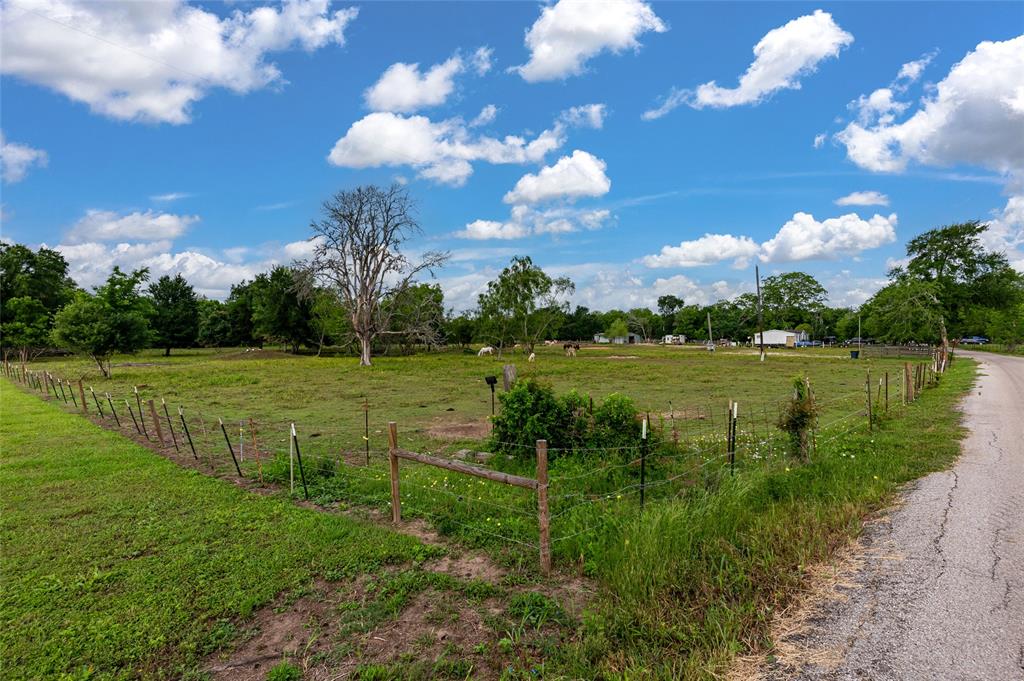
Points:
x=532 y=357
x=485 y=350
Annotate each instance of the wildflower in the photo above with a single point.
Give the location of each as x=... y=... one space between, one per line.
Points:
x=876 y=477
x=787 y=469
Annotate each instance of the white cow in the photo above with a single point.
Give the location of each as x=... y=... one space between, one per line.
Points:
x=485 y=350
x=532 y=357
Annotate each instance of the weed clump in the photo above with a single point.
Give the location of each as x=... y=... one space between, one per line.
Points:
x=799 y=416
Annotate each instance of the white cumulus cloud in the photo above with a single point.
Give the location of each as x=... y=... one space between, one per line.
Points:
x=1005 y=232
x=150 y=61
x=16 y=160
x=804 y=238
x=442 y=151
x=105 y=225
x=869 y=198
x=403 y=88
x=525 y=221
x=571 y=177
x=975 y=115
x=707 y=250
x=783 y=56
x=570 y=32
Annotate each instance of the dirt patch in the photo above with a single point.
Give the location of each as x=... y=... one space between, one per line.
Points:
x=452 y=432
x=281 y=631
x=468 y=567
x=434 y=624
x=623 y=357
x=686 y=414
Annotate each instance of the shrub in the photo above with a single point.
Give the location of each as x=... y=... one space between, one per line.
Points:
x=530 y=411
x=798 y=417
x=616 y=423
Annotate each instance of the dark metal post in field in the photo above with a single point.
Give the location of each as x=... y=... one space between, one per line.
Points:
x=99 y=407
x=298 y=456
x=396 y=499
x=232 y=451
x=543 y=519
x=64 y=395
x=156 y=422
x=132 y=414
x=760 y=318
x=188 y=435
x=167 y=414
x=886 y=393
x=113 y=411
x=142 y=420
x=71 y=390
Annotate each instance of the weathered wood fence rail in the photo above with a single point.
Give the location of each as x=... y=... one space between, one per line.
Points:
x=538 y=484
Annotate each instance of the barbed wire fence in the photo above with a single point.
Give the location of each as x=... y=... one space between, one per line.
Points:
x=583 y=493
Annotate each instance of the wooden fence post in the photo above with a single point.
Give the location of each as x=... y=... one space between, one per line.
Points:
x=396 y=500
x=509 y=376
x=870 y=415
x=81 y=393
x=544 y=520
x=156 y=422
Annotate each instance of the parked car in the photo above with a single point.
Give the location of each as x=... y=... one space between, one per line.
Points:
x=853 y=342
x=808 y=344
x=974 y=340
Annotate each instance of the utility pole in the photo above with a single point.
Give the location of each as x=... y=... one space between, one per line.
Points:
x=760 y=307
x=711 y=338
x=860 y=339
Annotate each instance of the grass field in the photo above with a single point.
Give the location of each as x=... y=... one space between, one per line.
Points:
x=683 y=585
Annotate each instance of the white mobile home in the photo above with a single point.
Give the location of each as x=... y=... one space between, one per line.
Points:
x=778 y=338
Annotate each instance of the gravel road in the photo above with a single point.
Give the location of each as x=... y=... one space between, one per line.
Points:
x=940 y=592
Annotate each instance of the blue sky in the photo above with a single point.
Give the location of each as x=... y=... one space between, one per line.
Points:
x=202 y=138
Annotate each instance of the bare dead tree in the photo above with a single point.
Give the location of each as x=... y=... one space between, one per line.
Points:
x=357 y=254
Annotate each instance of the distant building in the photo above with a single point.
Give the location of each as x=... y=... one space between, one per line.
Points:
x=674 y=339
x=778 y=338
x=628 y=339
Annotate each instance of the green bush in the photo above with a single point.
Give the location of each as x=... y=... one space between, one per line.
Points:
x=530 y=411
x=616 y=423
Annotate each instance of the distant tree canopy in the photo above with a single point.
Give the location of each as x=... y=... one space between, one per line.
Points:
x=523 y=305
x=114 y=319
x=951 y=286
x=34 y=286
x=175 y=321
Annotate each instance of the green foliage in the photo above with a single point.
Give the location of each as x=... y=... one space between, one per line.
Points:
x=284 y=671
x=798 y=417
x=214 y=325
x=523 y=304
x=791 y=298
x=618 y=329
x=115 y=319
x=175 y=320
x=34 y=286
x=278 y=312
x=530 y=411
x=615 y=423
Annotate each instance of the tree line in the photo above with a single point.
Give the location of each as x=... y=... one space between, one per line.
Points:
x=359 y=292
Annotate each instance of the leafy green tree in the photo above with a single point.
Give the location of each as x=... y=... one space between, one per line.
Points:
x=523 y=304
x=668 y=306
x=645 y=323
x=460 y=330
x=581 y=324
x=175 y=321
x=34 y=285
x=906 y=310
x=114 y=320
x=279 y=312
x=792 y=298
x=1006 y=326
x=618 y=329
x=26 y=326
x=689 y=321
x=240 y=307
x=214 y=324
x=329 y=320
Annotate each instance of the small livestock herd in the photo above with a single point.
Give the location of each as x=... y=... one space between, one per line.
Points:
x=570 y=350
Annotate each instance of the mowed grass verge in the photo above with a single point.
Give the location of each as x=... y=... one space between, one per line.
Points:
x=117 y=563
